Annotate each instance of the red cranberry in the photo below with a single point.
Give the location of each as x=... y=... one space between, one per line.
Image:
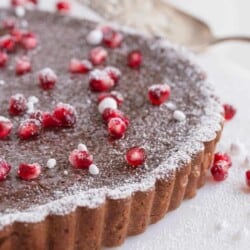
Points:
x=37 y=115
x=4 y=169
x=23 y=65
x=158 y=93
x=219 y=171
x=229 y=111
x=66 y=114
x=47 y=79
x=135 y=156
x=29 y=40
x=7 y=43
x=110 y=113
x=29 y=172
x=17 y=34
x=49 y=121
x=112 y=38
x=9 y=23
x=116 y=128
x=100 y=81
x=82 y=67
x=5 y=127
x=80 y=159
x=247 y=177
x=63 y=6
x=135 y=59
x=35 y=2
x=17 y=2
x=3 y=59
x=17 y=104
x=29 y=128
x=223 y=157
x=98 y=55
x=114 y=73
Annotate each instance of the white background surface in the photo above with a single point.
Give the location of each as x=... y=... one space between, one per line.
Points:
x=218 y=217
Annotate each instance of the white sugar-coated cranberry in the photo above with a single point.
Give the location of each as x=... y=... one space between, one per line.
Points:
x=100 y=81
x=93 y=169
x=3 y=59
x=107 y=102
x=66 y=114
x=114 y=73
x=37 y=115
x=110 y=113
x=47 y=78
x=20 y=11
x=80 y=159
x=135 y=59
x=229 y=111
x=117 y=128
x=98 y=55
x=219 y=171
x=222 y=157
x=112 y=38
x=247 y=177
x=81 y=67
x=95 y=37
x=63 y=6
x=17 y=104
x=4 y=169
x=135 y=156
x=29 y=128
x=158 y=93
x=5 y=127
x=17 y=34
x=51 y=163
x=179 y=116
x=23 y=65
x=29 y=40
x=113 y=94
x=29 y=172
x=49 y=121
x=9 y=23
x=7 y=43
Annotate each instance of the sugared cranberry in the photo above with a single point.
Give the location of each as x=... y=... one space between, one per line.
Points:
x=7 y=43
x=17 y=104
x=219 y=171
x=37 y=115
x=17 y=34
x=66 y=114
x=247 y=177
x=112 y=38
x=98 y=55
x=135 y=156
x=4 y=169
x=29 y=128
x=108 y=102
x=3 y=59
x=9 y=23
x=17 y=2
x=29 y=40
x=229 y=111
x=110 y=113
x=117 y=127
x=35 y=2
x=82 y=67
x=135 y=59
x=49 y=121
x=29 y=172
x=100 y=81
x=80 y=159
x=63 y=6
x=47 y=79
x=158 y=93
x=5 y=127
x=222 y=157
x=113 y=94
x=114 y=73
x=23 y=65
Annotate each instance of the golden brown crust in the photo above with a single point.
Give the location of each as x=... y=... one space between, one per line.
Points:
x=109 y=224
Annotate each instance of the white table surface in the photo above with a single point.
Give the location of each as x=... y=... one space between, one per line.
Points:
x=218 y=217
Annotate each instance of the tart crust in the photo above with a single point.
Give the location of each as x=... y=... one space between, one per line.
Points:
x=110 y=223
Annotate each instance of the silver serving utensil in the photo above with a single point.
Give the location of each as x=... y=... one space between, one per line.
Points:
x=159 y=18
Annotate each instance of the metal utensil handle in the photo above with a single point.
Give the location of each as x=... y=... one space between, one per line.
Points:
x=230 y=39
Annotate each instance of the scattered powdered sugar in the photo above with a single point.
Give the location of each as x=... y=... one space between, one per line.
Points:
x=179 y=115
x=171 y=106
x=51 y=163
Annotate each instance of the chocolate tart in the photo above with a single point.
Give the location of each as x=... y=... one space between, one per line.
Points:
x=81 y=211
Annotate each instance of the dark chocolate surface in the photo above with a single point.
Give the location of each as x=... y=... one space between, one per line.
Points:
x=60 y=39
